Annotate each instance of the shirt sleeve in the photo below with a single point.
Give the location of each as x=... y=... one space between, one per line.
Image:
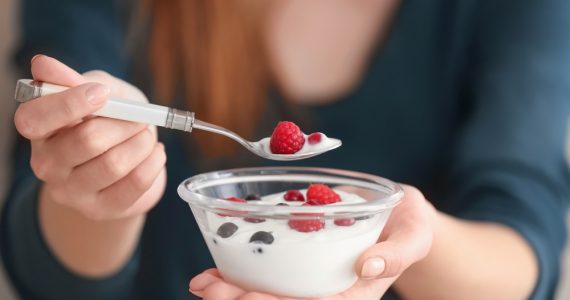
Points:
x=85 y=35
x=509 y=164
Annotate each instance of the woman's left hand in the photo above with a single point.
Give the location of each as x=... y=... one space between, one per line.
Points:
x=406 y=239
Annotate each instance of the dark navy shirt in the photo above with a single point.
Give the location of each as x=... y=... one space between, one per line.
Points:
x=467 y=100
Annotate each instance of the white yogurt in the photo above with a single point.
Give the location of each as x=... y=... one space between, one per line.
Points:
x=296 y=264
x=325 y=144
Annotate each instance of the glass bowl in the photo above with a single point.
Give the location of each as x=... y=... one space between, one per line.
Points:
x=283 y=260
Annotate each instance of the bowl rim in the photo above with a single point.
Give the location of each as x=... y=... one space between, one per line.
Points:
x=394 y=193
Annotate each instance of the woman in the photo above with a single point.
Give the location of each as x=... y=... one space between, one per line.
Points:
x=466 y=101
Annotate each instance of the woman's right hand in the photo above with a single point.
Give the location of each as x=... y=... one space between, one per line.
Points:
x=103 y=168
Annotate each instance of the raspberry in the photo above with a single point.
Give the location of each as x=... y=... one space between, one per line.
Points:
x=287 y=138
x=307 y=225
x=294 y=195
x=236 y=199
x=233 y=199
x=321 y=194
x=344 y=222
x=314 y=138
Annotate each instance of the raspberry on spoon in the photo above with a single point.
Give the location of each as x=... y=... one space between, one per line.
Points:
x=287 y=138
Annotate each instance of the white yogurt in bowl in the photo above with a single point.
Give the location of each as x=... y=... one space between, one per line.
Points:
x=286 y=261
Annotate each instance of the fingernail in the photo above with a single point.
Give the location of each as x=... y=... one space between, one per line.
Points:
x=373 y=267
x=96 y=93
x=35 y=56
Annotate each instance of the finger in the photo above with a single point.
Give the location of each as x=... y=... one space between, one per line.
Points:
x=120 y=199
x=119 y=87
x=114 y=164
x=202 y=280
x=213 y=271
x=48 y=69
x=258 y=296
x=405 y=244
x=74 y=146
x=39 y=118
x=221 y=290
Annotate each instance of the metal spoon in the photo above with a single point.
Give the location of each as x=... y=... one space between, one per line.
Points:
x=134 y=111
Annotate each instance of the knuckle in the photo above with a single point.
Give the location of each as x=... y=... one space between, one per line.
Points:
x=412 y=192
x=41 y=166
x=112 y=165
x=147 y=138
x=98 y=75
x=394 y=264
x=140 y=181
x=26 y=125
x=70 y=106
x=88 y=137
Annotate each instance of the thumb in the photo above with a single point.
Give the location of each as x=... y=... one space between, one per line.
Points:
x=408 y=238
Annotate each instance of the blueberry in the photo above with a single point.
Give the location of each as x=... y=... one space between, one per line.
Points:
x=227 y=229
x=252 y=197
x=363 y=218
x=282 y=204
x=262 y=237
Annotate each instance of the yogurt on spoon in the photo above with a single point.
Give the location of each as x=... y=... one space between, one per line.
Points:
x=288 y=140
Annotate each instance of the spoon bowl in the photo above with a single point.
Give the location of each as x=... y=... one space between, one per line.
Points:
x=261 y=147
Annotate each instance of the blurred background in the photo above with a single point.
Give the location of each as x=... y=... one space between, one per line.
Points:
x=8 y=40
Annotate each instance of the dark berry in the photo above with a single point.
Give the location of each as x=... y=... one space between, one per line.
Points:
x=262 y=237
x=344 y=222
x=314 y=138
x=294 y=195
x=227 y=229
x=254 y=220
x=363 y=218
x=252 y=197
x=287 y=138
x=282 y=204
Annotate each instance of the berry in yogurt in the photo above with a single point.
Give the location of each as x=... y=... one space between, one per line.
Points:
x=252 y=197
x=344 y=222
x=315 y=138
x=262 y=237
x=294 y=195
x=227 y=229
x=321 y=194
x=287 y=138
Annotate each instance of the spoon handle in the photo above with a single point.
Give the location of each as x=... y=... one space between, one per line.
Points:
x=116 y=108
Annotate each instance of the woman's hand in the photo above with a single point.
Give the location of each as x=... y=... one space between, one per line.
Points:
x=100 y=176
x=406 y=239
x=103 y=168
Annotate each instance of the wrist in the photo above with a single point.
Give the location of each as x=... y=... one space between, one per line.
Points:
x=92 y=248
